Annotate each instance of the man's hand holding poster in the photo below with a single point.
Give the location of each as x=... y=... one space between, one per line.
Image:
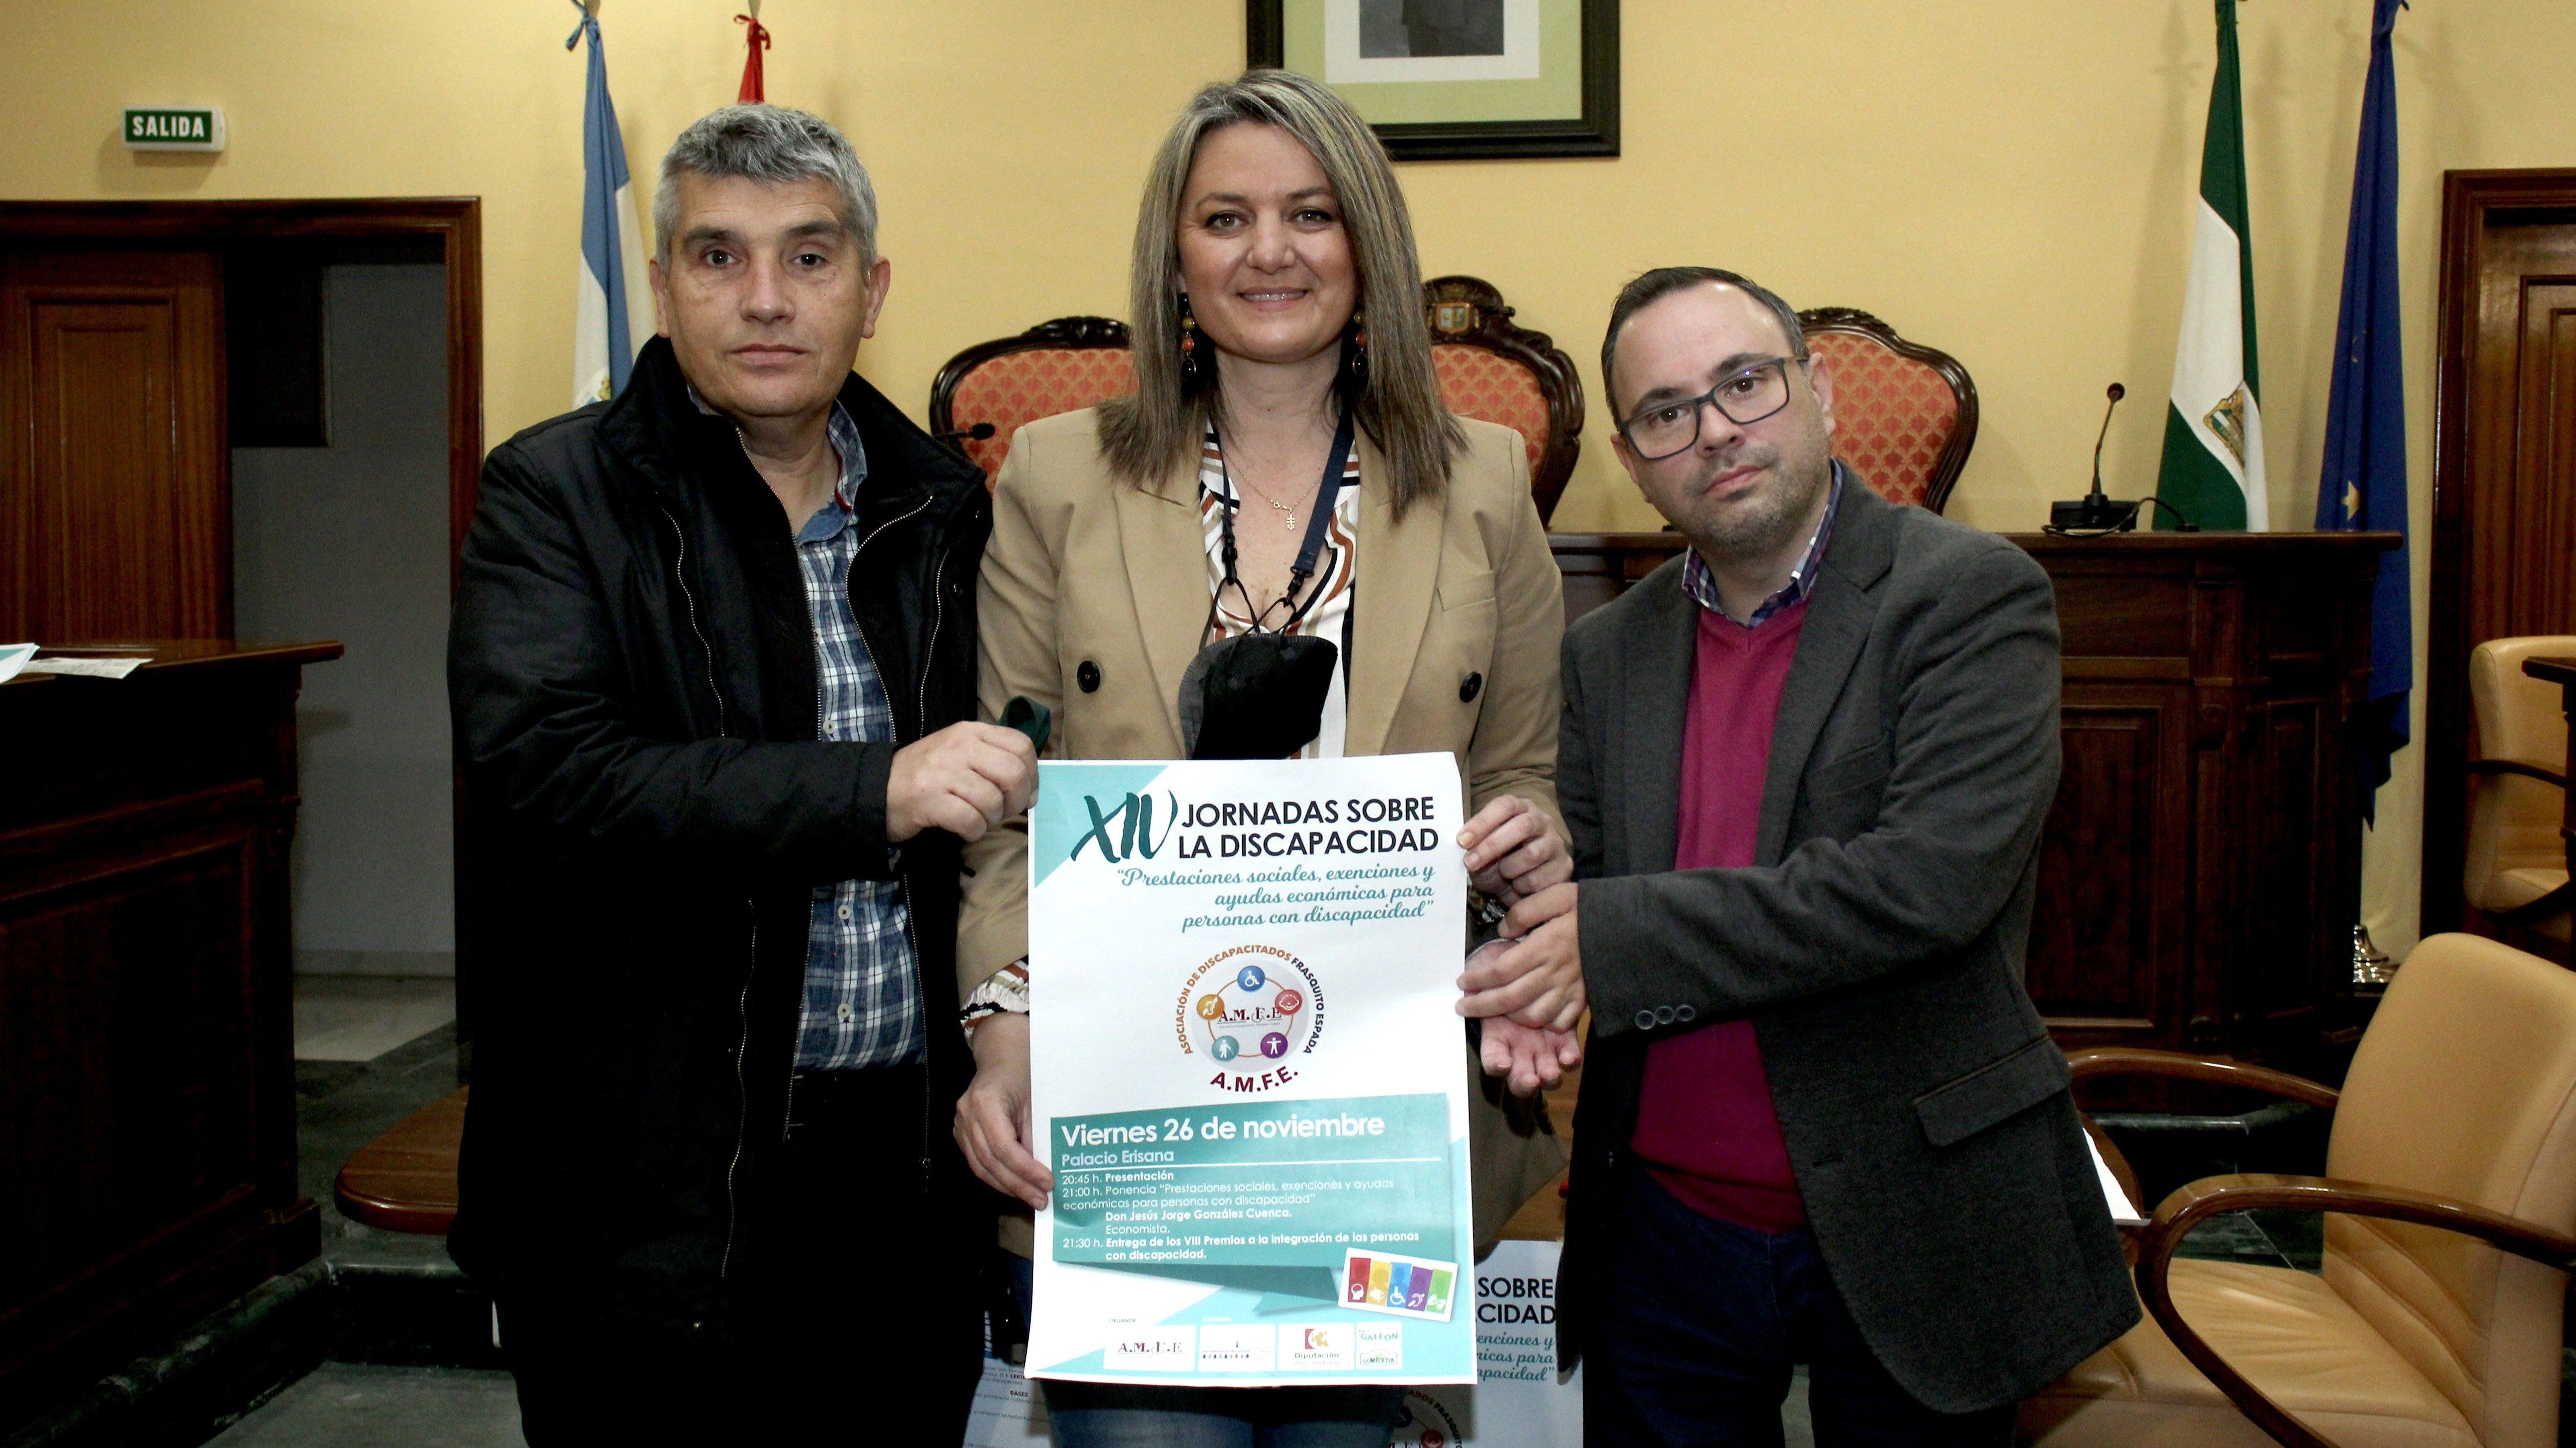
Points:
x=1246 y=1073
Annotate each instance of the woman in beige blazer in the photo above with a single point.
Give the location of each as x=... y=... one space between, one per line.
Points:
x=1271 y=222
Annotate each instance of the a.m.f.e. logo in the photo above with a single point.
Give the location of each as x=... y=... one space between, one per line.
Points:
x=1254 y=1011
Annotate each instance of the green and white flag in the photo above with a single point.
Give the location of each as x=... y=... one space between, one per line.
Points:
x=2213 y=461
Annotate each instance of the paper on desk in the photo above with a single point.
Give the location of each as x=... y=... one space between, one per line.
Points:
x=13 y=657
x=2124 y=1213
x=88 y=668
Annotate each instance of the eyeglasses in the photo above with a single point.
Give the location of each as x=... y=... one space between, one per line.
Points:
x=1745 y=396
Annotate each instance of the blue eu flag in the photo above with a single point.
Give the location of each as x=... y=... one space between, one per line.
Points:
x=2364 y=482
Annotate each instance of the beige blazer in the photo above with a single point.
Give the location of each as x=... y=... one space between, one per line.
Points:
x=1457 y=618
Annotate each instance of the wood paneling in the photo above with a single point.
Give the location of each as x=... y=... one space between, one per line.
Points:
x=116 y=507
x=2200 y=870
x=2108 y=938
x=1598 y=567
x=2242 y=657
x=125 y=977
x=2504 y=470
x=147 y=1111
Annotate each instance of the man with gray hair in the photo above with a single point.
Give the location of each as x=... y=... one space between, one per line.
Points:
x=713 y=675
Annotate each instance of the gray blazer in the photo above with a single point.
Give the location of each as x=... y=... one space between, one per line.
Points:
x=1877 y=946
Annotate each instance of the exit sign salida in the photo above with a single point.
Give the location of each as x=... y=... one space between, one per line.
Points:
x=174 y=128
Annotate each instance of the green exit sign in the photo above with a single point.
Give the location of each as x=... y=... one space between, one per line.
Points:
x=174 y=128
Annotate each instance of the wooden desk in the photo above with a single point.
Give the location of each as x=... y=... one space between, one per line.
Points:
x=2562 y=672
x=2200 y=872
x=147 y=1080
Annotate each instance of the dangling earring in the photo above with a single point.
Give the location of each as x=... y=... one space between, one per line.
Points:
x=1189 y=343
x=1359 y=350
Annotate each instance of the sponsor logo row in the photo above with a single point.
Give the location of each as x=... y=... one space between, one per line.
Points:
x=1288 y=1347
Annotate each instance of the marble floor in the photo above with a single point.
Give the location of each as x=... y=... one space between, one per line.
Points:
x=348 y=1405
x=361 y=1017
x=356 y=1405
x=2265 y=1239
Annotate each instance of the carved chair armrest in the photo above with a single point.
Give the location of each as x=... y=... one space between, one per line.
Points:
x=2210 y=1196
x=2516 y=766
x=2099 y=1061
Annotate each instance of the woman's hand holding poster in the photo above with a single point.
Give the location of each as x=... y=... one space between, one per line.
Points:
x=1245 y=1067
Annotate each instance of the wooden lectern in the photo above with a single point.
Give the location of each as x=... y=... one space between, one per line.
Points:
x=147 y=1076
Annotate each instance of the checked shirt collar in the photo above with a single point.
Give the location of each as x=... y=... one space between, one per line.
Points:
x=1697 y=582
x=861 y=999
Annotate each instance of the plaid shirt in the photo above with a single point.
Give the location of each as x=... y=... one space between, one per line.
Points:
x=1703 y=589
x=862 y=1002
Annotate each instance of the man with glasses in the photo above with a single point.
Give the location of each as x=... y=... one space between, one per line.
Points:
x=1805 y=767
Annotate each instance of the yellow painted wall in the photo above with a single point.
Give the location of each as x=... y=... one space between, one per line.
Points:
x=2009 y=181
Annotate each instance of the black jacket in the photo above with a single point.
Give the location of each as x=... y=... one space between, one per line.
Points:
x=1877 y=947
x=632 y=675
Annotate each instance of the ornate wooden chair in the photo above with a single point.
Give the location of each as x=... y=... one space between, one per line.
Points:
x=1905 y=415
x=2450 y=1190
x=1495 y=371
x=991 y=390
x=1488 y=369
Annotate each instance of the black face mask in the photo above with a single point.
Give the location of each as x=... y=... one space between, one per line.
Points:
x=1261 y=695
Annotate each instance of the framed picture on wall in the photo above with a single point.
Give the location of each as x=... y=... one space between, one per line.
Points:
x=1450 y=80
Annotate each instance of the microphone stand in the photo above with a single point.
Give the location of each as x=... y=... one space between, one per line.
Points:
x=2094 y=513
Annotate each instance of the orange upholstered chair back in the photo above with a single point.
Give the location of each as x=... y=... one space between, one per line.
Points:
x=1494 y=371
x=1061 y=366
x=1488 y=369
x=1905 y=415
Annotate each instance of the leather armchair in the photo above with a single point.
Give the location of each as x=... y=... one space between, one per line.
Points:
x=2450 y=1189
x=2517 y=864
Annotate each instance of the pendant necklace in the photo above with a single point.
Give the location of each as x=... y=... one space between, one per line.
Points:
x=1287 y=514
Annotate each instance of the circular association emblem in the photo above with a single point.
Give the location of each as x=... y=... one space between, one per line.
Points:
x=1253 y=1006
x=1426 y=1423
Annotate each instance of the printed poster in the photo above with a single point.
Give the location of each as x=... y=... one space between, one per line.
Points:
x=1248 y=1075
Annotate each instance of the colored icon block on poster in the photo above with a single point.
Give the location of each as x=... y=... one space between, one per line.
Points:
x=1402 y=1286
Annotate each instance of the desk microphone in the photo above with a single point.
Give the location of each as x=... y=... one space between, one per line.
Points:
x=977 y=433
x=2115 y=393
x=2094 y=512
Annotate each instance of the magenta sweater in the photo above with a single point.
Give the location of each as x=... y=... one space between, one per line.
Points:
x=1705 y=1125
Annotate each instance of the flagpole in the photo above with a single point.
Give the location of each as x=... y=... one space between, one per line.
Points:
x=611 y=315
x=2362 y=483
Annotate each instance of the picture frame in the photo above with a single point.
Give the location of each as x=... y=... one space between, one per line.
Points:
x=1501 y=79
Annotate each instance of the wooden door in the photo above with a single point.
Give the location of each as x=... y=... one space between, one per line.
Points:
x=2504 y=480
x=115 y=499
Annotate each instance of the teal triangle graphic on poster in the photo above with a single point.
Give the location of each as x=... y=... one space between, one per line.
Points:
x=1080 y=804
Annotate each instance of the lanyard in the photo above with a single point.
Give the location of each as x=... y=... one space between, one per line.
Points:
x=1327 y=492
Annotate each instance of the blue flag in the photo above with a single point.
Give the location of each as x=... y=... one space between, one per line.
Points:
x=2364 y=481
x=611 y=285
